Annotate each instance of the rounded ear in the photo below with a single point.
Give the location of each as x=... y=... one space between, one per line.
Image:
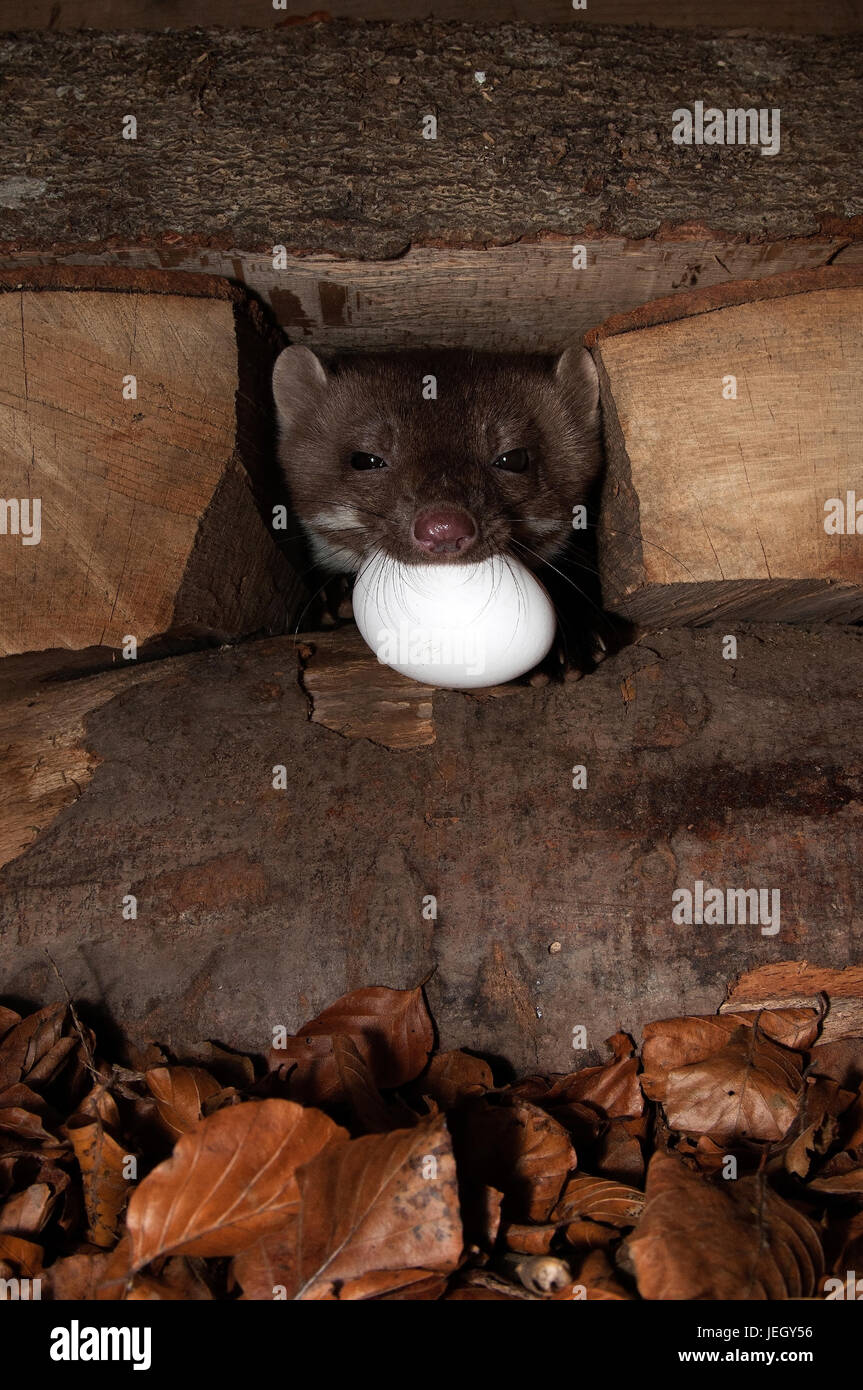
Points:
x=298 y=377
x=576 y=375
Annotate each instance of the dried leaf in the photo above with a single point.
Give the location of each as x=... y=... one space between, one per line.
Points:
x=380 y=1205
x=518 y=1149
x=19 y=1258
x=392 y=1031
x=28 y=1042
x=848 y=1184
x=451 y=1076
x=367 y=1105
x=673 y=1043
x=180 y=1093
x=841 y=1060
x=748 y=1089
x=618 y=1152
x=528 y=1239
x=597 y=1199
x=28 y=1213
x=815 y=1140
x=102 y=1162
x=597 y=1278
x=701 y=1238
x=612 y=1087
x=8 y=1019
x=101 y=1276
x=229 y=1181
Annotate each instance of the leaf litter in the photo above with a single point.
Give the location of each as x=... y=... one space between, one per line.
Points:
x=721 y=1160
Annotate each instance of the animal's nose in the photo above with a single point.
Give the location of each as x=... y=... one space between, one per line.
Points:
x=444 y=530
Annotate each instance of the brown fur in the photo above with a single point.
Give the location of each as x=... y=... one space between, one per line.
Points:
x=438 y=451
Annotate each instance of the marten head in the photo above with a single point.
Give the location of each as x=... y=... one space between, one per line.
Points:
x=438 y=457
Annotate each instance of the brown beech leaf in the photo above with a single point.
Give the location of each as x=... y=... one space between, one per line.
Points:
x=101 y=1276
x=748 y=1089
x=596 y=1281
x=28 y=1212
x=813 y=1143
x=613 y=1203
x=841 y=1060
x=22 y=1120
x=528 y=1239
x=390 y=1027
x=179 y=1281
x=520 y=1150
x=613 y=1087
x=618 y=1153
x=106 y=1188
x=451 y=1076
x=228 y=1181
x=19 y=1257
x=704 y=1238
x=379 y=1206
x=367 y=1104
x=180 y=1093
x=848 y=1184
x=228 y=1067
x=8 y=1020
x=680 y=1042
x=28 y=1042
x=699 y=1151
x=589 y=1235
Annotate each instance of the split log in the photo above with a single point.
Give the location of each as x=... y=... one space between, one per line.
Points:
x=136 y=433
x=256 y=904
x=734 y=437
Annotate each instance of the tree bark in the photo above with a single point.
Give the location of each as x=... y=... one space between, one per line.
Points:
x=257 y=906
x=311 y=136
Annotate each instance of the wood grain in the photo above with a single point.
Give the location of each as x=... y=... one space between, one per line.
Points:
x=715 y=505
x=520 y=298
x=149 y=522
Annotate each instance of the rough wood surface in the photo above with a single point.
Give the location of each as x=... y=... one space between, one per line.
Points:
x=311 y=136
x=714 y=503
x=257 y=906
x=525 y=297
x=792 y=16
x=149 y=522
x=795 y=984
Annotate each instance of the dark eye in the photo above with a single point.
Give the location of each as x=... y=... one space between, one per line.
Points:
x=365 y=461
x=513 y=461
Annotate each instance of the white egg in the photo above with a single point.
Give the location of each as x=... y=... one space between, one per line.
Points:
x=457 y=626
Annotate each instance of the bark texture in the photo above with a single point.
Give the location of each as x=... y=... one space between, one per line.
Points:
x=258 y=906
